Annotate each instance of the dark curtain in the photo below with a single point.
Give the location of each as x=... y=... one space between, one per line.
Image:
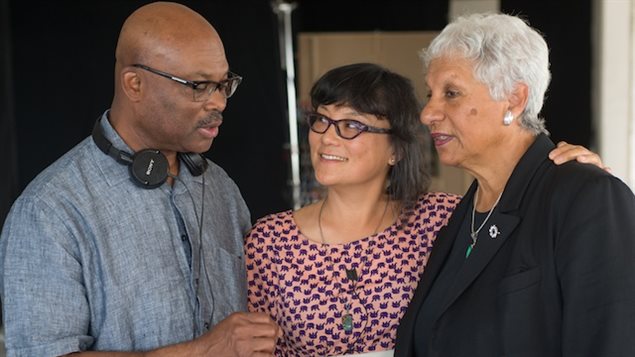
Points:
x=9 y=173
x=566 y=26
x=370 y=15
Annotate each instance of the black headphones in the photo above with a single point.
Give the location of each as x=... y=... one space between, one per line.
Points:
x=148 y=167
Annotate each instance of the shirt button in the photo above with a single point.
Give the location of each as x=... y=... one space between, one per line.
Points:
x=184 y=237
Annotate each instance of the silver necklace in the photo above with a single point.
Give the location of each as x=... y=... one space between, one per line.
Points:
x=347 y=317
x=474 y=233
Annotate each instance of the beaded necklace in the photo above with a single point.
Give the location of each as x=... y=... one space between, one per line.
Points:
x=351 y=274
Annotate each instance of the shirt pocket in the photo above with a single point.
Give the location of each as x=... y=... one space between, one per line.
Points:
x=229 y=280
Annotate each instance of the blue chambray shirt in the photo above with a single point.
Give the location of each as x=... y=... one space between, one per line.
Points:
x=91 y=261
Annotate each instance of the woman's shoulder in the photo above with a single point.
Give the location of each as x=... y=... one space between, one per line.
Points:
x=272 y=225
x=278 y=218
x=434 y=208
x=440 y=199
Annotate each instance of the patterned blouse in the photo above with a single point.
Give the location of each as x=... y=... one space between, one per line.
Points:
x=340 y=298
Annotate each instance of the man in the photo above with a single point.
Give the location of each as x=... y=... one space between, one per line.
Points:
x=116 y=247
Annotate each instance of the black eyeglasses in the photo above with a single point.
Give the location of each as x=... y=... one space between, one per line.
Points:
x=345 y=128
x=201 y=90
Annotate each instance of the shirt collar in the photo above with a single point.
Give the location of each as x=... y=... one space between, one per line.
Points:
x=534 y=158
x=117 y=172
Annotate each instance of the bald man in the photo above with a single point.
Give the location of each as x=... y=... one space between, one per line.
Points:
x=132 y=241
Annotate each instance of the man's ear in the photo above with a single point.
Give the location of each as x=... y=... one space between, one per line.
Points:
x=131 y=84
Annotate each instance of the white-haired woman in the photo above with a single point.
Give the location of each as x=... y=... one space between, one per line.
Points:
x=537 y=259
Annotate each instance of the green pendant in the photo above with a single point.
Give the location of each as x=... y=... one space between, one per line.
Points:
x=469 y=250
x=347 y=322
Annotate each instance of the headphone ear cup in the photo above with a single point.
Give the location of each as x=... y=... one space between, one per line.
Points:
x=149 y=168
x=195 y=163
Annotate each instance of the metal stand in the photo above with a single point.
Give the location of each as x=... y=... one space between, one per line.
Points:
x=283 y=10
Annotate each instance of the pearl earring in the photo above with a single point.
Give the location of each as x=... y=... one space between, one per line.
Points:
x=508 y=118
x=391 y=162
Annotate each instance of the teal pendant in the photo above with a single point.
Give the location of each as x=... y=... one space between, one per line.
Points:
x=347 y=322
x=469 y=250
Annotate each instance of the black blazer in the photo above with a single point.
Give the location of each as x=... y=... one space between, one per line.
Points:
x=559 y=280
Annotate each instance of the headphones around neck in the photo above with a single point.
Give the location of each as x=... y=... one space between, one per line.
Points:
x=149 y=167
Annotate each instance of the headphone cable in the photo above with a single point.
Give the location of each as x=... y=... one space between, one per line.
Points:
x=199 y=219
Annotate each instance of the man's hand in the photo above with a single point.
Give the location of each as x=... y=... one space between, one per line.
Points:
x=241 y=334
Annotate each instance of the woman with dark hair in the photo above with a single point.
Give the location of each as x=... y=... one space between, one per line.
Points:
x=337 y=275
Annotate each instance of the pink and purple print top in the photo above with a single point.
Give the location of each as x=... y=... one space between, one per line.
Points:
x=340 y=298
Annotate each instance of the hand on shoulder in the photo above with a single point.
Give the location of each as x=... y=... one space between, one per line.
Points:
x=565 y=152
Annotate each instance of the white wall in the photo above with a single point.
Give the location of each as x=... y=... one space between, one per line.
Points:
x=462 y=7
x=613 y=79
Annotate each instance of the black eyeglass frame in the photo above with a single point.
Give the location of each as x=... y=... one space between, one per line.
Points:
x=311 y=118
x=226 y=83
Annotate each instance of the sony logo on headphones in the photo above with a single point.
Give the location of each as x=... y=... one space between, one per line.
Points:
x=150 y=166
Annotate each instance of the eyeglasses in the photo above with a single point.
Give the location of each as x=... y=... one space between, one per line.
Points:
x=201 y=90
x=345 y=128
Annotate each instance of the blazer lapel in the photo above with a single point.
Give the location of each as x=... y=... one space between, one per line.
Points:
x=440 y=252
x=443 y=246
x=501 y=226
x=505 y=218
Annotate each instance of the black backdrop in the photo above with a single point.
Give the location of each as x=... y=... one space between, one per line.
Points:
x=9 y=172
x=566 y=25
x=57 y=60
